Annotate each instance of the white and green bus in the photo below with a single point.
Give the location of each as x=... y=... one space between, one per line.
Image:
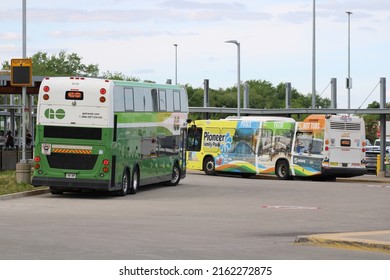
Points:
x=107 y=135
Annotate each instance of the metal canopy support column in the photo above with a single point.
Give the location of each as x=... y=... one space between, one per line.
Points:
x=24 y=89
x=382 y=127
x=206 y=96
x=288 y=95
x=246 y=96
x=333 y=99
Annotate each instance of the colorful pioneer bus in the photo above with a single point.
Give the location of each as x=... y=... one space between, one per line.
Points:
x=321 y=145
x=99 y=134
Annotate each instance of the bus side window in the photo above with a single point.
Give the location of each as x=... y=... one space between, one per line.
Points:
x=162 y=100
x=183 y=100
x=129 y=99
x=169 y=100
x=119 y=100
x=139 y=100
x=176 y=100
x=154 y=100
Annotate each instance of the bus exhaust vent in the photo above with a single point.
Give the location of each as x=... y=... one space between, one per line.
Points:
x=344 y=126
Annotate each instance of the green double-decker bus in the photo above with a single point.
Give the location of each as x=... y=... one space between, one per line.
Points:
x=108 y=135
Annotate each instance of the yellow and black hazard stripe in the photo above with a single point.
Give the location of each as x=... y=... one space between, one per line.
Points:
x=71 y=151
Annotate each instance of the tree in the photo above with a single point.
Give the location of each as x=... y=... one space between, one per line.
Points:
x=5 y=65
x=372 y=122
x=62 y=64
x=119 y=76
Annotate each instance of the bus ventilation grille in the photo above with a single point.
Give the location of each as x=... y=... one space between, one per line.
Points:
x=72 y=161
x=345 y=126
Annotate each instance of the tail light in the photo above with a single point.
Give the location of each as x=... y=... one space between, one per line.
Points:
x=103 y=91
x=37 y=159
x=105 y=169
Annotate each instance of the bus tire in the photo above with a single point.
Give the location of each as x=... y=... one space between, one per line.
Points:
x=134 y=181
x=54 y=190
x=282 y=170
x=176 y=175
x=209 y=166
x=124 y=183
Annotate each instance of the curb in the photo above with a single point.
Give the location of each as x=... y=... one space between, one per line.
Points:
x=24 y=194
x=349 y=240
x=363 y=180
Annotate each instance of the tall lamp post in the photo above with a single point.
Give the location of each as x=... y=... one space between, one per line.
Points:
x=349 y=81
x=238 y=74
x=313 y=93
x=175 y=63
x=24 y=89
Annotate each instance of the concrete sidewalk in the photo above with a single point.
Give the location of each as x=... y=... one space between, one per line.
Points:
x=366 y=178
x=368 y=240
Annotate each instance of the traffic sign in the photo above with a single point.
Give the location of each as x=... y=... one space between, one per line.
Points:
x=21 y=72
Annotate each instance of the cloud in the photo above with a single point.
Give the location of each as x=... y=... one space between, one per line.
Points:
x=297 y=17
x=355 y=5
x=8 y=48
x=115 y=34
x=172 y=11
x=9 y=36
x=213 y=5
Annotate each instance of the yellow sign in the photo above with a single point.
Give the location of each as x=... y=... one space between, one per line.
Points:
x=21 y=72
x=21 y=62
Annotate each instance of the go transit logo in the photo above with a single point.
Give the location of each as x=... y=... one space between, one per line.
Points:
x=58 y=114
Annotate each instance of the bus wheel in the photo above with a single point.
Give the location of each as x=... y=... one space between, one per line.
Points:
x=134 y=181
x=175 y=176
x=53 y=190
x=209 y=166
x=282 y=170
x=124 y=183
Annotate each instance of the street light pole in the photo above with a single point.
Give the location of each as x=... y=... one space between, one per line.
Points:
x=349 y=82
x=175 y=63
x=238 y=74
x=24 y=89
x=313 y=92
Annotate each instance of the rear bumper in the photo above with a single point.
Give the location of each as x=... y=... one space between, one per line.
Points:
x=72 y=184
x=343 y=172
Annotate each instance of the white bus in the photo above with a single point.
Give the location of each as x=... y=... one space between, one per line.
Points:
x=106 y=135
x=338 y=140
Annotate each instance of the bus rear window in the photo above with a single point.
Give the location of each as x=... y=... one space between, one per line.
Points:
x=86 y=133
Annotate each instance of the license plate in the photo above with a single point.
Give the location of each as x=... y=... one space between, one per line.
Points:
x=71 y=175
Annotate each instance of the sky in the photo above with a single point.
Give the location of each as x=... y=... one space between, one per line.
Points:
x=137 y=38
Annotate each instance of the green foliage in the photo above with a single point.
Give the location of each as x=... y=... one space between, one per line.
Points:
x=372 y=121
x=262 y=95
x=5 y=65
x=119 y=76
x=62 y=64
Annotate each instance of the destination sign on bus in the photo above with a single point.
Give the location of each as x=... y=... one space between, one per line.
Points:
x=74 y=95
x=345 y=142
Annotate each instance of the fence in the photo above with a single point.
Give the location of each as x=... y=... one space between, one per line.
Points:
x=9 y=157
